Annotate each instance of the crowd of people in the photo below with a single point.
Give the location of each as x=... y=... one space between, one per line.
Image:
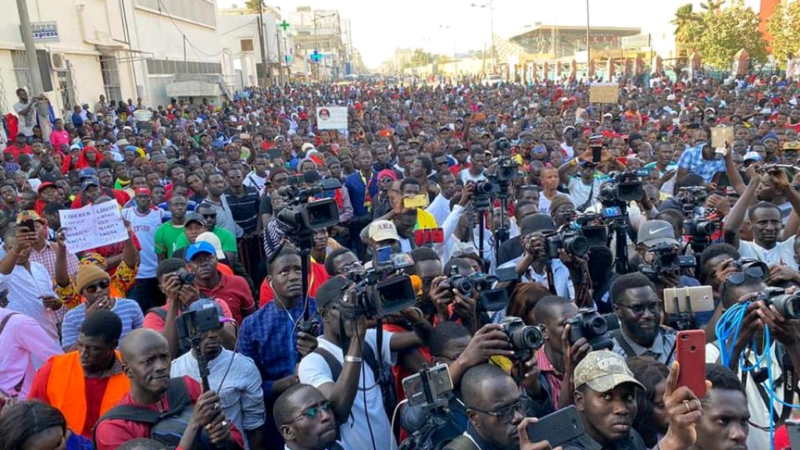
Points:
x=227 y=319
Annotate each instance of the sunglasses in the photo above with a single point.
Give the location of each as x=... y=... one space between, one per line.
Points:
x=93 y=288
x=314 y=411
x=209 y=216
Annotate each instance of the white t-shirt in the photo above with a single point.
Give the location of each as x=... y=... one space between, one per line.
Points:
x=781 y=254
x=579 y=192
x=466 y=176
x=544 y=204
x=145 y=226
x=27 y=121
x=254 y=180
x=354 y=433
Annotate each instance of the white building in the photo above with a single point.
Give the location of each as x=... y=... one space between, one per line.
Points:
x=123 y=49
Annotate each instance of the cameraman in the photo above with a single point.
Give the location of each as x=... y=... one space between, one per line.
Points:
x=639 y=311
x=358 y=409
x=656 y=239
x=452 y=305
x=764 y=220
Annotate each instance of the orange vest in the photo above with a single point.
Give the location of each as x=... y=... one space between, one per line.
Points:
x=66 y=389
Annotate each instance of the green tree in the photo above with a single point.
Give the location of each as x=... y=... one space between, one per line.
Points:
x=725 y=33
x=252 y=5
x=712 y=6
x=420 y=57
x=688 y=26
x=784 y=26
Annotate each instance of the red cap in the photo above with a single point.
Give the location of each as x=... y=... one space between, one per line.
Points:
x=44 y=185
x=138 y=191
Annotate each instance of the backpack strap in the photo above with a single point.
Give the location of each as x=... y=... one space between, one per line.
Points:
x=159 y=311
x=336 y=367
x=617 y=335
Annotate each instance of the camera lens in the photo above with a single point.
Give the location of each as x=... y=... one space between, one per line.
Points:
x=463 y=285
x=706 y=228
x=484 y=188
x=597 y=325
x=787 y=305
x=576 y=245
x=527 y=338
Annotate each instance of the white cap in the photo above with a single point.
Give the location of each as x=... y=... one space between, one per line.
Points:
x=211 y=238
x=383 y=230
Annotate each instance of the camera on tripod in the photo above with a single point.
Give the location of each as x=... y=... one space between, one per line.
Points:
x=571 y=241
x=524 y=338
x=786 y=304
x=380 y=291
x=692 y=197
x=666 y=260
x=300 y=217
x=589 y=324
x=623 y=188
x=502 y=145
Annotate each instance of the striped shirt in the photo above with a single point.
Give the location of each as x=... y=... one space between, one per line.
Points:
x=127 y=310
x=554 y=377
x=245 y=208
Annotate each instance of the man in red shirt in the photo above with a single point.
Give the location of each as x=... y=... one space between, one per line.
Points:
x=146 y=362
x=19 y=147
x=231 y=289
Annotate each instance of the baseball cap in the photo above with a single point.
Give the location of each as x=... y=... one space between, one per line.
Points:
x=211 y=238
x=194 y=217
x=207 y=303
x=44 y=185
x=86 y=173
x=307 y=146
x=654 y=232
x=537 y=222
x=331 y=290
x=383 y=230
x=198 y=248
x=89 y=182
x=602 y=371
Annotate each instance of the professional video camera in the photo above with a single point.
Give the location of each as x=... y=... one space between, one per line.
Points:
x=623 y=188
x=664 y=259
x=786 y=304
x=502 y=145
x=571 y=241
x=692 y=197
x=380 y=291
x=589 y=324
x=488 y=299
x=300 y=218
x=523 y=338
x=596 y=235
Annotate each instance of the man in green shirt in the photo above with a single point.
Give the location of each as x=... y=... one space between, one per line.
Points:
x=168 y=233
x=209 y=215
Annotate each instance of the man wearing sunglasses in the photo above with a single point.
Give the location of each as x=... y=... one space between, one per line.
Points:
x=305 y=419
x=639 y=311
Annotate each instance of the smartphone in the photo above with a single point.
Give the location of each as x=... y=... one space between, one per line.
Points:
x=28 y=223
x=429 y=236
x=557 y=428
x=793 y=430
x=417 y=201
x=439 y=382
x=692 y=299
x=597 y=154
x=690 y=348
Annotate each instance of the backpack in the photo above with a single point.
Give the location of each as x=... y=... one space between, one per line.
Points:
x=183 y=346
x=384 y=377
x=167 y=428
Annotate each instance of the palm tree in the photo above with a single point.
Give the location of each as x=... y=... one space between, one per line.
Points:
x=712 y=6
x=684 y=21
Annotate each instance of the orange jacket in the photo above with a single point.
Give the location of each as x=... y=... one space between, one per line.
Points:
x=66 y=389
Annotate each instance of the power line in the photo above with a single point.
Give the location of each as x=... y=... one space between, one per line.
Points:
x=197 y=50
x=239 y=27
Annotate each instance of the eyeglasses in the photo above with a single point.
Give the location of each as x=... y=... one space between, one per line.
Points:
x=210 y=216
x=93 y=288
x=314 y=411
x=347 y=268
x=506 y=414
x=638 y=309
x=749 y=270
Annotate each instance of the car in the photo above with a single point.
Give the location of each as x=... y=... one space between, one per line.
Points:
x=492 y=80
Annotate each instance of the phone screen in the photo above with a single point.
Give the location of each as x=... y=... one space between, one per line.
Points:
x=596 y=154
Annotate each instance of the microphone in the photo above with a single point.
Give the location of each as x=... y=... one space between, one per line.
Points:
x=416 y=283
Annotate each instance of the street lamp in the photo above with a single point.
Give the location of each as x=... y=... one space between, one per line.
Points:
x=490 y=6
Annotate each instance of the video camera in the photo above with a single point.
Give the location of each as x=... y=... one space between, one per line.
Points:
x=497 y=183
x=524 y=338
x=692 y=197
x=571 y=241
x=299 y=218
x=488 y=299
x=786 y=304
x=596 y=235
x=666 y=260
x=589 y=324
x=623 y=188
x=380 y=291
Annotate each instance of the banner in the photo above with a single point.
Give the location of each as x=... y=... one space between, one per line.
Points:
x=332 y=118
x=93 y=226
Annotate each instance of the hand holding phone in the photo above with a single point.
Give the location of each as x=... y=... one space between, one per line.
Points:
x=690 y=348
x=554 y=429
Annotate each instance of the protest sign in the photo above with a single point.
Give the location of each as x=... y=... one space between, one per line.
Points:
x=332 y=118
x=604 y=93
x=93 y=226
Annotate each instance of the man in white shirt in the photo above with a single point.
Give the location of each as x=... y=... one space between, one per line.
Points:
x=26 y=110
x=440 y=206
x=30 y=288
x=475 y=173
x=145 y=221
x=764 y=221
x=232 y=375
x=258 y=177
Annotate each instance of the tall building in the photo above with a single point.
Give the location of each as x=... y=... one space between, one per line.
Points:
x=319 y=40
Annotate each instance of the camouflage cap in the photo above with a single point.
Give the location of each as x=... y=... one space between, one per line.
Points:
x=603 y=371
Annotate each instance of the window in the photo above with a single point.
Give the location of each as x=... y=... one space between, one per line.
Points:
x=21 y=69
x=170 y=67
x=247 y=45
x=110 y=72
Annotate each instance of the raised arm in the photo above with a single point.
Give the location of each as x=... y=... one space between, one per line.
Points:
x=736 y=217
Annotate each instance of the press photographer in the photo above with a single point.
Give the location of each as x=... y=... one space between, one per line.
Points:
x=659 y=254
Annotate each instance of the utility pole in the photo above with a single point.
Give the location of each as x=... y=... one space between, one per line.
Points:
x=280 y=56
x=316 y=63
x=588 y=50
x=30 y=50
x=494 y=49
x=264 y=61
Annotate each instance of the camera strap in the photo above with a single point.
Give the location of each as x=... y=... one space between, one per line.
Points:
x=551 y=282
x=588 y=201
x=786 y=379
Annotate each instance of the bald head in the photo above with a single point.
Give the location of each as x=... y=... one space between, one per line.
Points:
x=138 y=341
x=482 y=383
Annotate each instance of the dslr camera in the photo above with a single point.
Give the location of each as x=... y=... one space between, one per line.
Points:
x=184 y=276
x=589 y=324
x=623 y=188
x=573 y=242
x=523 y=338
x=666 y=260
x=489 y=299
x=787 y=305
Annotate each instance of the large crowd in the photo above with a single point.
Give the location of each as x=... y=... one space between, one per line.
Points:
x=542 y=255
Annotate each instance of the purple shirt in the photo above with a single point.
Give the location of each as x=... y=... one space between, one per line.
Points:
x=26 y=347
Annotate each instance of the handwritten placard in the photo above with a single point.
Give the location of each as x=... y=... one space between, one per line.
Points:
x=93 y=226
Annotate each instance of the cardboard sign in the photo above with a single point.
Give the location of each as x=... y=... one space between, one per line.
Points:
x=721 y=135
x=93 y=226
x=332 y=118
x=604 y=93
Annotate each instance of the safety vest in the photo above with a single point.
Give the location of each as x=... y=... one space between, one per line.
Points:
x=66 y=389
